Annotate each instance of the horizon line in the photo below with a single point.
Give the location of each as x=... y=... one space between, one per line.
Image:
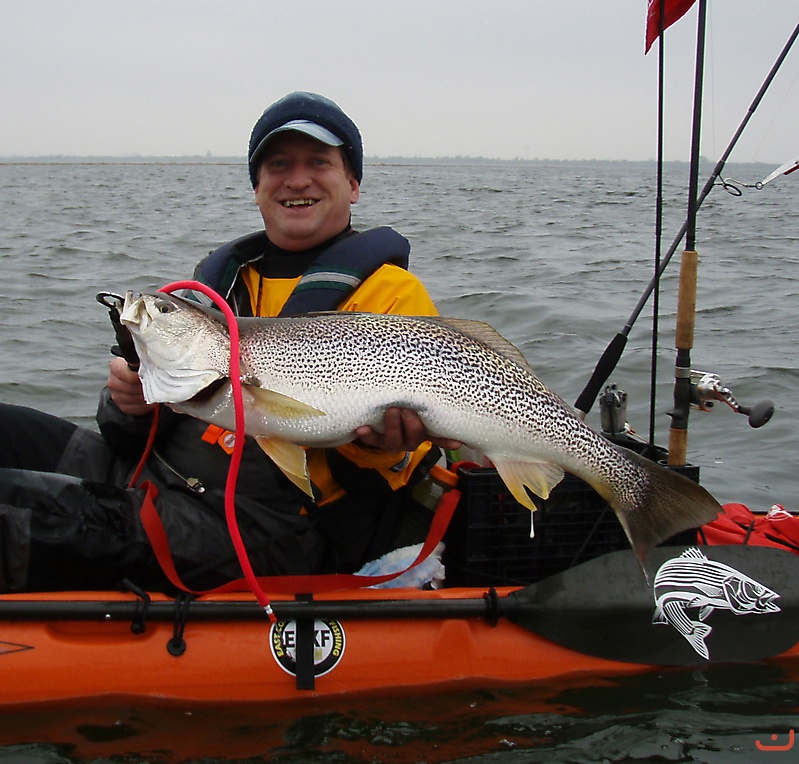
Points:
x=209 y=158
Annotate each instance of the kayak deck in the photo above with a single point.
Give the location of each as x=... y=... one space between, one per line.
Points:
x=222 y=648
x=247 y=659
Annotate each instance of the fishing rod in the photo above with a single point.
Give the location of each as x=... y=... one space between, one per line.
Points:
x=661 y=112
x=613 y=352
x=686 y=295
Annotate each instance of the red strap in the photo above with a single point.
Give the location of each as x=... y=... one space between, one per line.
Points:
x=156 y=533
x=314 y=584
x=283 y=584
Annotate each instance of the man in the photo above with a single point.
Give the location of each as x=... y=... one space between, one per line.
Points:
x=306 y=164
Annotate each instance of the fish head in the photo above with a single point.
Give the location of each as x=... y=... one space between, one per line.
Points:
x=746 y=595
x=182 y=347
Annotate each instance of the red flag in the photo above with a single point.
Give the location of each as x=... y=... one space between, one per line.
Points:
x=673 y=10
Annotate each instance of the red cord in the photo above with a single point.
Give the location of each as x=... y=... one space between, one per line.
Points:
x=238 y=445
x=134 y=478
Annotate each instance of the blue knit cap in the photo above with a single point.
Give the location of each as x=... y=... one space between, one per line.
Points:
x=313 y=115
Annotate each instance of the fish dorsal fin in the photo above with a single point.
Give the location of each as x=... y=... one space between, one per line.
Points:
x=290 y=458
x=278 y=405
x=692 y=553
x=539 y=477
x=488 y=336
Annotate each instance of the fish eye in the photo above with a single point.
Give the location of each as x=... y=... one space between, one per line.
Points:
x=163 y=306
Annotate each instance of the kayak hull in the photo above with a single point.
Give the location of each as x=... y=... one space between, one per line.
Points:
x=244 y=658
x=234 y=660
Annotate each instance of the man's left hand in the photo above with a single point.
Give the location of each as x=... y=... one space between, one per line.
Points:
x=404 y=431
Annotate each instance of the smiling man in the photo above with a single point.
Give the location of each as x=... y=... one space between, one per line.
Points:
x=304 y=191
x=305 y=176
x=306 y=165
x=71 y=519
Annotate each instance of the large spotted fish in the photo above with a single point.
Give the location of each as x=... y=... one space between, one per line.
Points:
x=312 y=380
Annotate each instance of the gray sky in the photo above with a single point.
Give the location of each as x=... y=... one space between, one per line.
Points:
x=554 y=79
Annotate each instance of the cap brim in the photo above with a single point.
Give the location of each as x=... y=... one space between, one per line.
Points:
x=311 y=129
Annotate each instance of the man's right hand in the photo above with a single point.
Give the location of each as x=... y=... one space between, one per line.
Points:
x=126 y=390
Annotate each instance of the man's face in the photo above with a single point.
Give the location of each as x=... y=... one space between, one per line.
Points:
x=304 y=191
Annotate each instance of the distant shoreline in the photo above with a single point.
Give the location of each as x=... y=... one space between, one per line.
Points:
x=372 y=161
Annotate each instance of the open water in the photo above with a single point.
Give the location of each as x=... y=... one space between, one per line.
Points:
x=555 y=256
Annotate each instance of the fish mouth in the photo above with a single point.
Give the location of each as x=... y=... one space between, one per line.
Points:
x=134 y=310
x=138 y=313
x=766 y=602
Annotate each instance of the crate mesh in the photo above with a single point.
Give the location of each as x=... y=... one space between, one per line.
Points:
x=488 y=542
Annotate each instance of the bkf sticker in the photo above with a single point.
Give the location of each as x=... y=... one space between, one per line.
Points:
x=328 y=645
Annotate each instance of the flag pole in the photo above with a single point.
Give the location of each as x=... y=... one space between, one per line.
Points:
x=686 y=296
x=658 y=223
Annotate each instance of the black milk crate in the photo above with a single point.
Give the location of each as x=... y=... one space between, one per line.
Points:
x=488 y=542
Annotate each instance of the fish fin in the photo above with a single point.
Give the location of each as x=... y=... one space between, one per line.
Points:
x=693 y=553
x=290 y=458
x=664 y=504
x=696 y=638
x=659 y=616
x=279 y=405
x=705 y=612
x=539 y=477
x=487 y=335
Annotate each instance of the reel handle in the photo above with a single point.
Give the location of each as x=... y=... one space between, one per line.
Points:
x=759 y=414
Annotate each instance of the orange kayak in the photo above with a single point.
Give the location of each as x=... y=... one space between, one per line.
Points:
x=734 y=603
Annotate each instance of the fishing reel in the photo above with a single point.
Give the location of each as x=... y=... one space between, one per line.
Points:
x=706 y=388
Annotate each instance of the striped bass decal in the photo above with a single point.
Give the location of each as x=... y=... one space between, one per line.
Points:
x=692 y=581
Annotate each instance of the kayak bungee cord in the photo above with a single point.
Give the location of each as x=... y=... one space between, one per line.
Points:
x=238 y=443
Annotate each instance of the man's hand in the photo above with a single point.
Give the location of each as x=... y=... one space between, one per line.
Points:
x=404 y=431
x=126 y=391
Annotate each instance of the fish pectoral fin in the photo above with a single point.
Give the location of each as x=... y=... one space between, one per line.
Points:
x=278 y=405
x=706 y=612
x=290 y=458
x=539 y=477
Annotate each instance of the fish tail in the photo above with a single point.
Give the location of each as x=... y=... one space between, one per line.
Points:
x=659 y=504
x=696 y=638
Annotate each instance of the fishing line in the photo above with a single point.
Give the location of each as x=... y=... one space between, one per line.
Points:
x=238 y=444
x=778 y=112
